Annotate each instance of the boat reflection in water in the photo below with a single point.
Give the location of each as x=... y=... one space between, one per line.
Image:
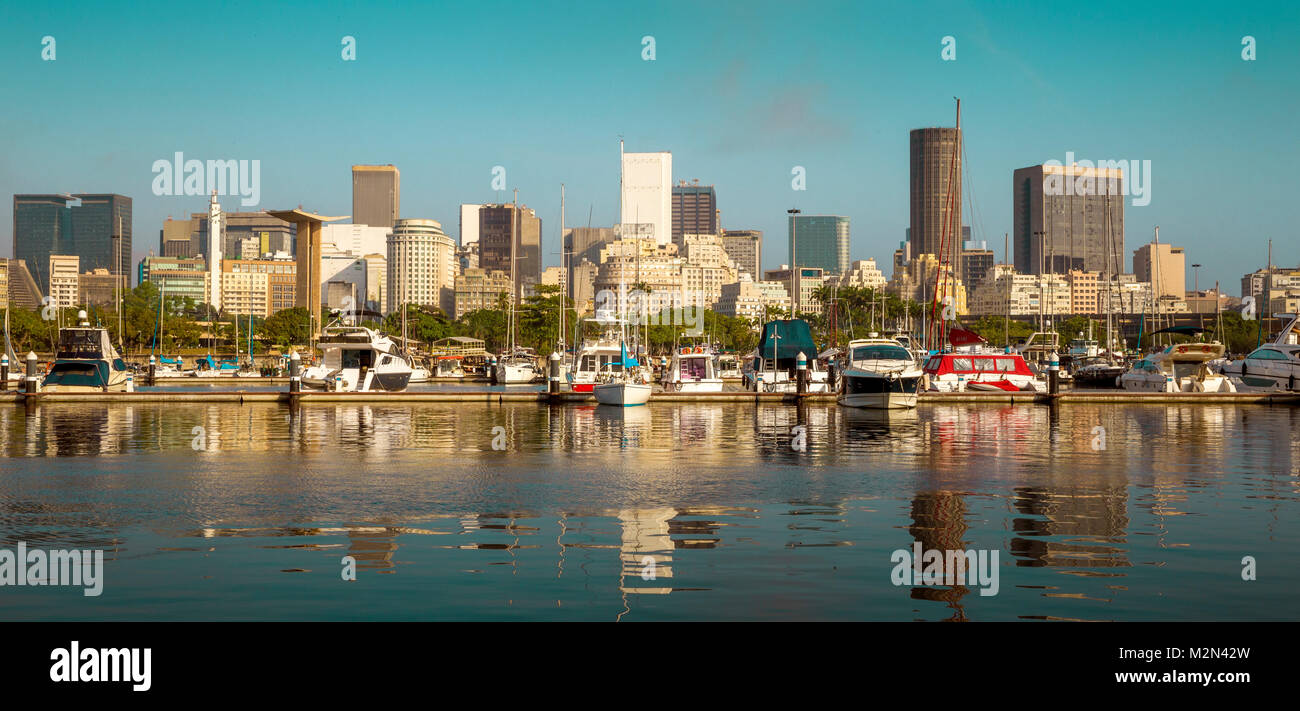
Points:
x=670 y=511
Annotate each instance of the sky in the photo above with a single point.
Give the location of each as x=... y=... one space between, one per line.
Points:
x=740 y=92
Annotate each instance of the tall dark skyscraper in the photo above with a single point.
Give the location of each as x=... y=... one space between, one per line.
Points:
x=936 y=193
x=376 y=195
x=695 y=210
x=96 y=228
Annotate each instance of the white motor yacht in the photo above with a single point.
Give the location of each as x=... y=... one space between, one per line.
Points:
x=357 y=359
x=879 y=373
x=1182 y=368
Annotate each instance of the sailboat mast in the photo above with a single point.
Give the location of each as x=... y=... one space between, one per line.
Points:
x=564 y=267
x=514 y=248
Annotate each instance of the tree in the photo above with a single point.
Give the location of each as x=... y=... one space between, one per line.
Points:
x=286 y=327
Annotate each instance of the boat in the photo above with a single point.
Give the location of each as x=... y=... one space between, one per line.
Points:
x=357 y=359
x=774 y=362
x=980 y=370
x=1183 y=368
x=693 y=369
x=448 y=366
x=169 y=367
x=419 y=373
x=879 y=373
x=729 y=367
x=1098 y=372
x=517 y=367
x=85 y=361
x=595 y=356
x=1272 y=366
x=621 y=386
x=15 y=366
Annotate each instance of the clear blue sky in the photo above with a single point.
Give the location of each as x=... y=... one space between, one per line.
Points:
x=740 y=92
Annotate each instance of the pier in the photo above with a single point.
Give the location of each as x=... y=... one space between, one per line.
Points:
x=565 y=398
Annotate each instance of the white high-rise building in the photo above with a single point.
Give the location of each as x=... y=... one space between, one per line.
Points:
x=647 y=197
x=216 y=235
x=422 y=266
x=469 y=224
x=357 y=240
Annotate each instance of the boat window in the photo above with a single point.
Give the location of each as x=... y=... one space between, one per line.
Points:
x=1185 y=370
x=961 y=364
x=934 y=363
x=1006 y=365
x=693 y=368
x=984 y=364
x=1267 y=354
x=880 y=352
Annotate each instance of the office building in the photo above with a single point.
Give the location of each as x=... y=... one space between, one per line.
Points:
x=695 y=210
x=17 y=286
x=745 y=247
x=498 y=225
x=647 y=209
x=1068 y=218
x=176 y=277
x=935 y=193
x=1164 y=266
x=820 y=241
x=468 y=224
x=805 y=281
x=260 y=287
x=98 y=287
x=94 y=227
x=376 y=195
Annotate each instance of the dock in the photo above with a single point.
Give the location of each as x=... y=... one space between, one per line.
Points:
x=1077 y=397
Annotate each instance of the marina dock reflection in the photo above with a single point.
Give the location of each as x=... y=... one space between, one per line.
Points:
x=672 y=511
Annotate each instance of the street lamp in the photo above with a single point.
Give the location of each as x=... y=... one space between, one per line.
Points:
x=1196 y=276
x=794 y=231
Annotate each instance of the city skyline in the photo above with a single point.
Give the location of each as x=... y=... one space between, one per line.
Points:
x=753 y=117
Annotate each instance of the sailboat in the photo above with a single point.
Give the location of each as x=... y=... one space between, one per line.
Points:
x=517 y=365
x=622 y=385
x=15 y=366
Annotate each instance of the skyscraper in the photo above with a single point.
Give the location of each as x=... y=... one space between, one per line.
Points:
x=695 y=210
x=647 y=195
x=1068 y=218
x=376 y=195
x=496 y=250
x=936 y=194
x=95 y=228
x=745 y=247
x=820 y=241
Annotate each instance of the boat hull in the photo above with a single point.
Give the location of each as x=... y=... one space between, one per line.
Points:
x=879 y=392
x=622 y=394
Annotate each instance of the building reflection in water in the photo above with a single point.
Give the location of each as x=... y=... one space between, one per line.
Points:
x=939 y=523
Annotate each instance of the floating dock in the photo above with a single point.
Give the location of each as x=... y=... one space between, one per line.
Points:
x=503 y=396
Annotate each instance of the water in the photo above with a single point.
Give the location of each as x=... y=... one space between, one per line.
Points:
x=249 y=517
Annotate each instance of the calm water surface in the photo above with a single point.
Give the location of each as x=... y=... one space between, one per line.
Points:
x=250 y=516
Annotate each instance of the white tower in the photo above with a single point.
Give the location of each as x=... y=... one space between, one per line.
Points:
x=215 y=237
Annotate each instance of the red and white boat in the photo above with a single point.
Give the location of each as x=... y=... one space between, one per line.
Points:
x=977 y=370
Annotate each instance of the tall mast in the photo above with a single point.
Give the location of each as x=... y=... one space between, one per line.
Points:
x=564 y=266
x=514 y=288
